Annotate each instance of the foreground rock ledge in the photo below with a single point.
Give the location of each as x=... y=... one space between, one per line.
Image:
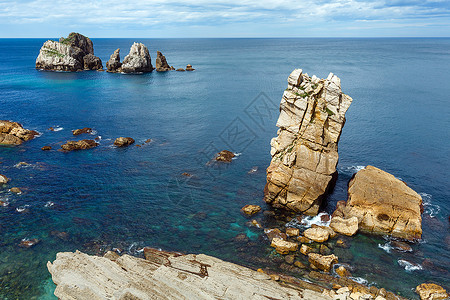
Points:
x=164 y=275
x=305 y=152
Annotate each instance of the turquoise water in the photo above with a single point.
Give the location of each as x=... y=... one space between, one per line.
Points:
x=129 y=198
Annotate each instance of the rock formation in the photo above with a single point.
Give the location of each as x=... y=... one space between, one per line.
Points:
x=189 y=68
x=165 y=275
x=79 y=145
x=225 y=156
x=74 y=53
x=161 y=63
x=113 y=64
x=123 y=141
x=345 y=226
x=138 y=60
x=383 y=204
x=322 y=262
x=305 y=152
x=431 y=291
x=12 y=133
x=3 y=179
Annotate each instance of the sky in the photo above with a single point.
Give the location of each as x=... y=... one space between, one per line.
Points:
x=232 y=18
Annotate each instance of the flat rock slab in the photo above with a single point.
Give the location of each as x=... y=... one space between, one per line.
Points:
x=163 y=275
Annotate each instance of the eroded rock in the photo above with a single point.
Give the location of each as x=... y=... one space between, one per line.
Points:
x=431 y=291
x=113 y=64
x=79 y=145
x=138 y=60
x=161 y=63
x=322 y=262
x=225 y=156
x=317 y=234
x=304 y=154
x=251 y=209
x=345 y=226
x=13 y=133
x=82 y=131
x=123 y=141
x=383 y=204
x=282 y=246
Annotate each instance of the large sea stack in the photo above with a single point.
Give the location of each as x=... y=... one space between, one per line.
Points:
x=138 y=60
x=383 y=204
x=74 y=53
x=305 y=152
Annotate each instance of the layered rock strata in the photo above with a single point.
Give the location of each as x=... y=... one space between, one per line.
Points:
x=305 y=152
x=74 y=53
x=13 y=133
x=383 y=204
x=164 y=275
x=138 y=60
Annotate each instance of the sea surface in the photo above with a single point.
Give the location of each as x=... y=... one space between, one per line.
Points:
x=106 y=198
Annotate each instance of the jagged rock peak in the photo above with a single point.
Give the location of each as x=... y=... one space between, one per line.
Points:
x=304 y=154
x=114 y=64
x=74 y=53
x=138 y=60
x=161 y=63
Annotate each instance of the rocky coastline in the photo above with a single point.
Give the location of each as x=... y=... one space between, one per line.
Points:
x=76 y=53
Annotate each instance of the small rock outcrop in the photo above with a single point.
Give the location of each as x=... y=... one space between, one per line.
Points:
x=123 y=141
x=317 y=234
x=161 y=63
x=345 y=226
x=138 y=60
x=282 y=246
x=79 y=145
x=189 y=68
x=13 y=133
x=165 y=275
x=74 y=53
x=322 y=262
x=250 y=209
x=383 y=204
x=431 y=291
x=305 y=152
x=3 y=179
x=225 y=156
x=114 y=65
x=81 y=131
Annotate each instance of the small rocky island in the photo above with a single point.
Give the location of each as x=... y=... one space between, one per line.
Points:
x=76 y=53
x=13 y=133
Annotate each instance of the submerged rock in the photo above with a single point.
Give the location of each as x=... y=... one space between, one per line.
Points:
x=138 y=60
x=383 y=204
x=13 y=133
x=123 y=141
x=114 y=64
x=225 y=156
x=79 y=145
x=161 y=63
x=165 y=275
x=305 y=152
x=74 y=53
x=431 y=291
x=25 y=243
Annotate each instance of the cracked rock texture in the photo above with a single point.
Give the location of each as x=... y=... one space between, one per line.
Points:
x=383 y=204
x=164 y=275
x=74 y=53
x=305 y=152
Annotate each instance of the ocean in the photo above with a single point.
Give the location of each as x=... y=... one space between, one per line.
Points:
x=106 y=198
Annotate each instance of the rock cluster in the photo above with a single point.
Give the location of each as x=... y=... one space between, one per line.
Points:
x=165 y=275
x=305 y=152
x=382 y=204
x=161 y=63
x=13 y=133
x=74 y=53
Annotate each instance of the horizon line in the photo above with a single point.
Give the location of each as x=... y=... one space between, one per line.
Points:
x=312 y=37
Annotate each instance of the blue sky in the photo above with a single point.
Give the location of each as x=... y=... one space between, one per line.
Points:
x=233 y=18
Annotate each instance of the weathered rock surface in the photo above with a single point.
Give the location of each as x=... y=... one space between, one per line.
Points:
x=345 y=226
x=383 y=204
x=164 y=275
x=282 y=246
x=305 y=152
x=74 y=53
x=113 y=64
x=79 y=145
x=123 y=141
x=317 y=234
x=3 y=179
x=12 y=133
x=322 y=262
x=161 y=63
x=138 y=60
x=431 y=291
x=225 y=156
x=250 y=209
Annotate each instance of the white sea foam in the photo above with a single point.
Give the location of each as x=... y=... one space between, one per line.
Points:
x=409 y=266
x=253 y=170
x=386 y=247
x=57 y=128
x=359 y=280
x=49 y=204
x=308 y=221
x=22 y=164
x=351 y=169
x=236 y=155
x=22 y=208
x=430 y=209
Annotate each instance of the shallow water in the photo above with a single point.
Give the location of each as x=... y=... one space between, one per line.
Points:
x=134 y=197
